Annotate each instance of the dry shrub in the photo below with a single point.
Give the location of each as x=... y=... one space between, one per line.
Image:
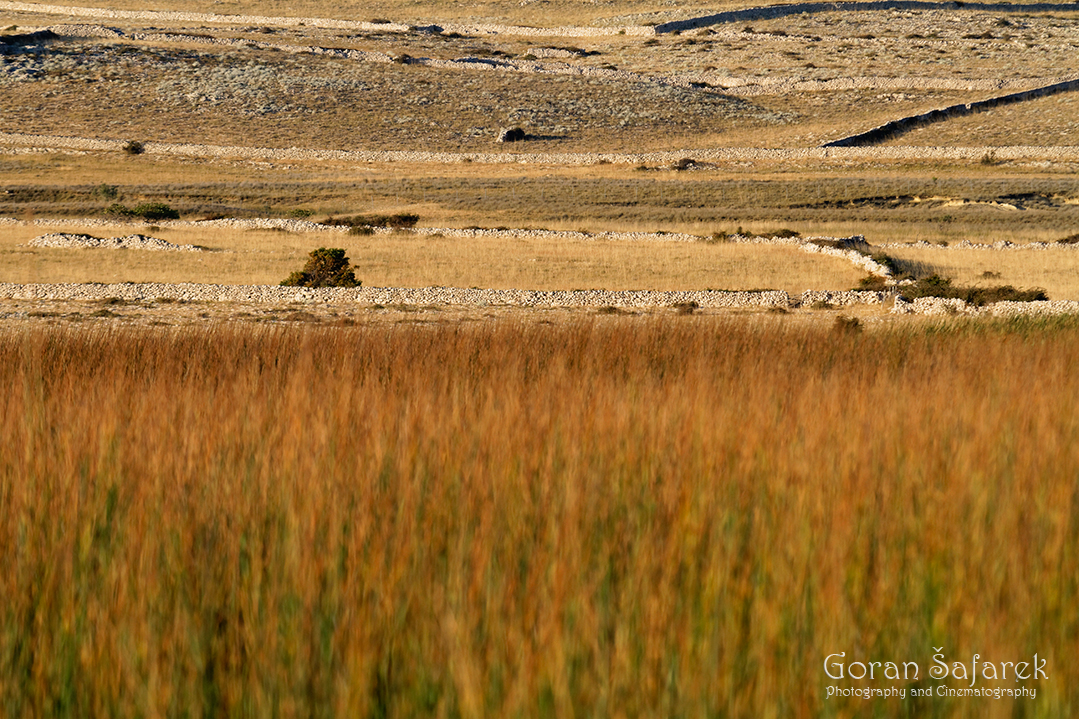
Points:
x=325 y=267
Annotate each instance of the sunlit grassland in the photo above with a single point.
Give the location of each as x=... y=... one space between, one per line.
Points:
x=407 y=260
x=1054 y=270
x=616 y=517
x=889 y=200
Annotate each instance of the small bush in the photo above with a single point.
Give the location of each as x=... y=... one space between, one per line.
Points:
x=831 y=244
x=134 y=147
x=118 y=210
x=885 y=261
x=326 y=267
x=109 y=192
x=1069 y=240
x=146 y=211
x=872 y=283
x=847 y=325
x=783 y=234
x=686 y=308
x=155 y=211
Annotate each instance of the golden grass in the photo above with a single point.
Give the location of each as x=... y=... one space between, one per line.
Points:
x=1046 y=121
x=407 y=260
x=623 y=517
x=1055 y=271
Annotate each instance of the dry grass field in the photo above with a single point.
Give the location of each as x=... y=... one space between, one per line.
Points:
x=617 y=517
x=293 y=509
x=406 y=260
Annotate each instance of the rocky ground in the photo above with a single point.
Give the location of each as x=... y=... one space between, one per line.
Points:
x=794 y=80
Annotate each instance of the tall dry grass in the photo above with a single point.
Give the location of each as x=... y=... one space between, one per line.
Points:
x=619 y=517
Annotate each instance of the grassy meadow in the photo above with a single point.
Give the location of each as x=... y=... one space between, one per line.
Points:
x=406 y=260
x=606 y=517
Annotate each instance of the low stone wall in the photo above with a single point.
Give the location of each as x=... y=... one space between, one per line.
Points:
x=903 y=125
x=940 y=306
x=458 y=296
x=394 y=295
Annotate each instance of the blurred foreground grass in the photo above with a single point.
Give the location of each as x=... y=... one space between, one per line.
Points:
x=619 y=517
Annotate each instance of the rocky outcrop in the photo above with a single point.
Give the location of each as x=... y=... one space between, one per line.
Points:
x=512 y=134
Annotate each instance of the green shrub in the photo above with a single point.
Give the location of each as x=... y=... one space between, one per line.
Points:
x=326 y=267
x=118 y=210
x=146 y=211
x=885 y=261
x=831 y=244
x=783 y=234
x=155 y=211
x=109 y=192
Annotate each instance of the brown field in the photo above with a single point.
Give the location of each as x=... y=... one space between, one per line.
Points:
x=1047 y=121
x=619 y=516
x=405 y=260
x=240 y=509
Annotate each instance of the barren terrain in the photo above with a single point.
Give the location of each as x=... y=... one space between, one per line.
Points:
x=687 y=119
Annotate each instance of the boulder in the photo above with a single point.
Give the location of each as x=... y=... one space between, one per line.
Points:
x=512 y=134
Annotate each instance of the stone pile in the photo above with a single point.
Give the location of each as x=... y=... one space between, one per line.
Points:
x=130 y=242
